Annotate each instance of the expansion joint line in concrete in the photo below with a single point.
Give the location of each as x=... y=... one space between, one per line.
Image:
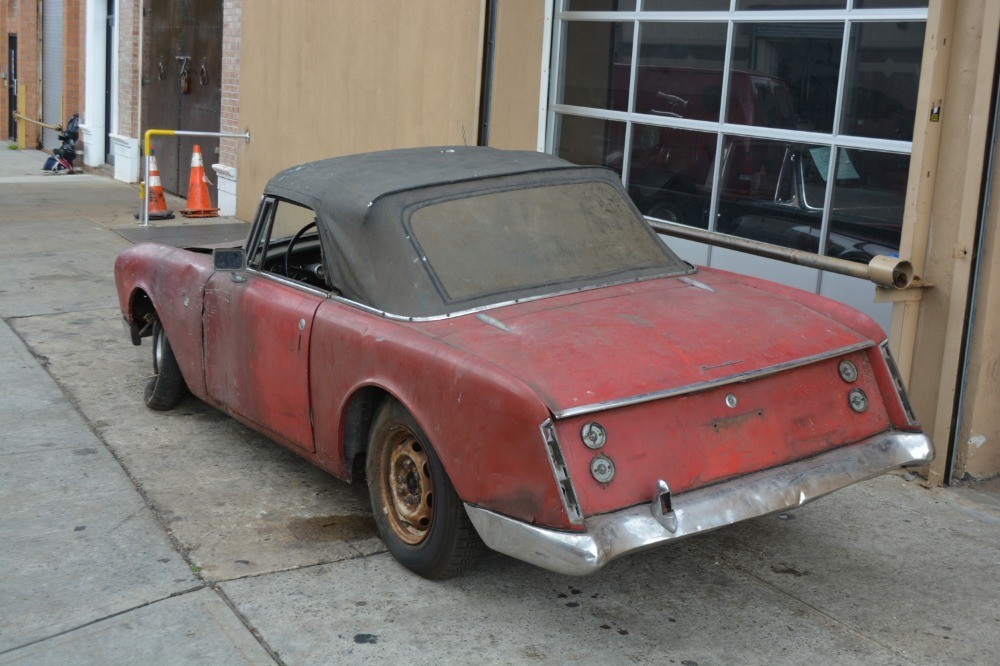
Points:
x=102 y=619
x=832 y=618
x=247 y=625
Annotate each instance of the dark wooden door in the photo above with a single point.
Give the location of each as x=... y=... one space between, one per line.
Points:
x=182 y=84
x=12 y=86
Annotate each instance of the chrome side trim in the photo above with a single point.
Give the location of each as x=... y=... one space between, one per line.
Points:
x=561 y=472
x=610 y=536
x=897 y=382
x=713 y=383
x=492 y=306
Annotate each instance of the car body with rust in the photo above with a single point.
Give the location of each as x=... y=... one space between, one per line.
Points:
x=501 y=345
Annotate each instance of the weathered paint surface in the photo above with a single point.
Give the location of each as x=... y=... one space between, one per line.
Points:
x=257 y=336
x=287 y=361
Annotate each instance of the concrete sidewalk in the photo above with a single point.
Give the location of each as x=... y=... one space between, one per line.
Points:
x=128 y=536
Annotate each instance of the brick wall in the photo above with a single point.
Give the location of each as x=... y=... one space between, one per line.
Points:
x=129 y=68
x=73 y=58
x=232 y=12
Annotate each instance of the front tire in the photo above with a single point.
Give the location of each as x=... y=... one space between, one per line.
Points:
x=418 y=513
x=166 y=388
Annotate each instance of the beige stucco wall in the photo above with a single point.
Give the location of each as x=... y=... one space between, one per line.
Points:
x=517 y=72
x=335 y=78
x=953 y=181
x=979 y=435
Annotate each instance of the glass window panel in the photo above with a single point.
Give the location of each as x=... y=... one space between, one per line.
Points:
x=680 y=70
x=883 y=72
x=590 y=141
x=576 y=232
x=599 y=6
x=685 y=5
x=596 y=64
x=888 y=4
x=670 y=173
x=785 y=75
x=866 y=217
x=771 y=191
x=790 y=4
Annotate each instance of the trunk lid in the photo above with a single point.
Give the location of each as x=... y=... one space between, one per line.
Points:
x=583 y=350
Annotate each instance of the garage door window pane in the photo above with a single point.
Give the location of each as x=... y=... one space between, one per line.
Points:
x=599 y=5
x=889 y=4
x=784 y=75
x=791 y=4
x=882 y=77
x=680 y=70
x=596 y=65
x=867 y=211
x=686 y=5
x=670 y=177
x=590 y=141
x=772 y=191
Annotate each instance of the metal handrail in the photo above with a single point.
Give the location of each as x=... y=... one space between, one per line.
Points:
x=890 y=272
x=18 y=116
x=144 y=219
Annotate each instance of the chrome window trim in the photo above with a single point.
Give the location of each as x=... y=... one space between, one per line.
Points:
x=500 y=304
x=289 y=282
x=710 y=384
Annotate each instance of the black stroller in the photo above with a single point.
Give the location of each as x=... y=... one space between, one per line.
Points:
x=63 y=157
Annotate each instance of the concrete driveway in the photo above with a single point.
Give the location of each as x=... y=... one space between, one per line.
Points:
x=132 y=536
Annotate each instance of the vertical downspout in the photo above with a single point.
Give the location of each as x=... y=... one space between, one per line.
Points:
x=486 y=90
x=140 y=58
x=975 y=270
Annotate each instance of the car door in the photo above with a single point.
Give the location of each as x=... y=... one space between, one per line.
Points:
x=257 y=328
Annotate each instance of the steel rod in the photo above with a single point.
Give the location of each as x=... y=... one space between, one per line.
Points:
x=883 y=271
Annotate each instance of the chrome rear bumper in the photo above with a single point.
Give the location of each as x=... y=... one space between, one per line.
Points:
x=609 y=536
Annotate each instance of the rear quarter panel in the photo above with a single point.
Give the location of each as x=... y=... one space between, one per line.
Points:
x=483 y=423
x=174 y=280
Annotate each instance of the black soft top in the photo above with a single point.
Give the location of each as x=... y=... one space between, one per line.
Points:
x=346 y=187
x=363 y=205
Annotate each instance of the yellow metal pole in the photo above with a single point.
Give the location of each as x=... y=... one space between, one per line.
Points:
x=22 y=106
x=144 y=187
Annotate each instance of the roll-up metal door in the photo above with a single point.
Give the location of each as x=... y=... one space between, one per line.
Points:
x=52 y=66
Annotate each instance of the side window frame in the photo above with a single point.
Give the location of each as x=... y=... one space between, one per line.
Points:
x=261 y=234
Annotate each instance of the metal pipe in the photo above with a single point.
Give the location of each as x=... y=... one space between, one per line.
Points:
x=37 y=122
x=883 y=271
x=144 y=218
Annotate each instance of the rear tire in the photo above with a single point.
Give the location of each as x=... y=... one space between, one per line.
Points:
x=166 y=388
x=418 y=513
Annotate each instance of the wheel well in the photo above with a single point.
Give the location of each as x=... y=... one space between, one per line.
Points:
x=140 y=310
x=358 y=418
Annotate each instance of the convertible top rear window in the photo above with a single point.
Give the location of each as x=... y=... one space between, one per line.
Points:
x=506 y=241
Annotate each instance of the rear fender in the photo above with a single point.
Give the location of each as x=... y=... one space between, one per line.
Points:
x=483 y=423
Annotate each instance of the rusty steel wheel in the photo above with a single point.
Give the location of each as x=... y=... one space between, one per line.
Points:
x=408 y=490
x=418 y=513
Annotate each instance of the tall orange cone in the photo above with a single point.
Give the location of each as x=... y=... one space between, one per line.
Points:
x=198 y=203
x=157 y=202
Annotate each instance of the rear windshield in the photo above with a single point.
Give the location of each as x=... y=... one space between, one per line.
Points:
x=573 y=234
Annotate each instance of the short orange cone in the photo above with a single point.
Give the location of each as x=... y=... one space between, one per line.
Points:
x=198 y=203
x=157 y=203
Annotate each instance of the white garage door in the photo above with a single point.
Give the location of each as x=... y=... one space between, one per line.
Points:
x=52 y=65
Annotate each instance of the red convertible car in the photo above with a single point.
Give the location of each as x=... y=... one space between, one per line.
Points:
x=500 y=344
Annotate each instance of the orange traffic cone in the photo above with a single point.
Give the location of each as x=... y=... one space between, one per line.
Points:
x=157 y=203
x=198 y=203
